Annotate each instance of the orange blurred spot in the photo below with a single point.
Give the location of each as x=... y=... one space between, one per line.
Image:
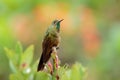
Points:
x=22 y=29
x=89 y=32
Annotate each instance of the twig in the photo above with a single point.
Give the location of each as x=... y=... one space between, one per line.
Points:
x=55 y=63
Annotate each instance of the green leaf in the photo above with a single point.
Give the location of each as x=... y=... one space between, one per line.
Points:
x=77 y=72
x=34 y=66
x=17 y=76
x=12 y=56
x=42 y=76
x=67 y=75
x=27 y=57
x=12 y=66
x=18 y=48
x=61 y=70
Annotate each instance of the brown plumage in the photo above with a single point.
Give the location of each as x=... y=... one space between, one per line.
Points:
x=51 y=40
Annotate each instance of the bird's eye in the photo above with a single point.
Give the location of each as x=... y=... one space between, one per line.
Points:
x=55 y=22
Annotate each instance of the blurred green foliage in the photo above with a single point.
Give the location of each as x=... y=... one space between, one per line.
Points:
x=22 y=68
x=108 y=62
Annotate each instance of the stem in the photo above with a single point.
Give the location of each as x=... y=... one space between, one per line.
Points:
x=49 y=67
x=55 y=63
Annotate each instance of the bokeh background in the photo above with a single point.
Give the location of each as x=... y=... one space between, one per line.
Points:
x=90 y=32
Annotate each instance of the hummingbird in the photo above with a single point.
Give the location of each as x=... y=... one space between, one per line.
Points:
x=51 y=39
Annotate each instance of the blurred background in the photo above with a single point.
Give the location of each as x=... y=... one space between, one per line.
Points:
x=90 y=32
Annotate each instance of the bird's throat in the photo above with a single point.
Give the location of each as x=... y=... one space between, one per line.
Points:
x=58 y=27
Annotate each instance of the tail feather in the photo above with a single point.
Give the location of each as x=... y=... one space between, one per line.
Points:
x=44 y=58
x=40 y=65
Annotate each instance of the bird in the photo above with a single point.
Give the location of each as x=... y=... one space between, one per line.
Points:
x=51 y=39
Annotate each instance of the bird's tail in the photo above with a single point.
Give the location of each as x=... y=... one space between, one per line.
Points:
x=44 y=58
x=40 y=65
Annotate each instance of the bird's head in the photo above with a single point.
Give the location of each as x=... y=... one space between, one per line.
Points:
x=56 y=24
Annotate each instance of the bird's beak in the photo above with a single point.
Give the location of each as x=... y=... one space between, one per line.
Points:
x=61 y=20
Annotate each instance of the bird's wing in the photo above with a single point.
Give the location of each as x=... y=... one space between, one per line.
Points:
x=46 y=52
x=47 y=48
x=47 y=45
